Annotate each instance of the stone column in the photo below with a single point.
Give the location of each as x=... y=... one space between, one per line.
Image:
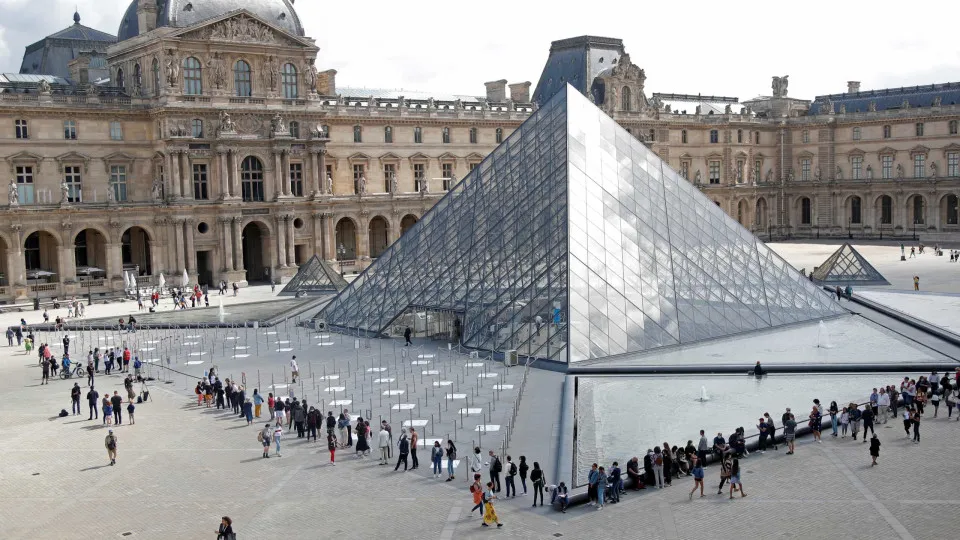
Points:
x=291 y=246
x=284 y=175
x=321 y=170
x=65 y=262
x=189 y=228
x=393 y=230
x=233 y=176
x=363 y=237
x=226 y=244
x=115 y=261
x=277 y=175
x=237 y=244
x=178 y=245
x=16 y=265
x=280 y=242
x=173 y=165
x=223 y=173
x=315 y=173
x=318 y=234
x=186 y=177
x=329 y=237
x=156 y=260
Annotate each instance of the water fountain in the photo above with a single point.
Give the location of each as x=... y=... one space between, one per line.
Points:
x=220 y=311
x=703 y=394
x=823 y=337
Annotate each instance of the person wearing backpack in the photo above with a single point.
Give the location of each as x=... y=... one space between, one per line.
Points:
x=436 y=457
x=452 y=456
x=110 y=442
x=332 y=446
x=658 y=466
x=264 y=437
x=403 y=445
x=496 y=467
x=511 y=475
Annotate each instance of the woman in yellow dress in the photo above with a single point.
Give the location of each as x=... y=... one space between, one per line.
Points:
x=489 y=514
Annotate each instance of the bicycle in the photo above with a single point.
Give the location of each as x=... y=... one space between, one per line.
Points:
x=75 y=370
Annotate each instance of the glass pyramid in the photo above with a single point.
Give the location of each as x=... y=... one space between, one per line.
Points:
x=573 y=241
x=314 y=277
x=847 y=266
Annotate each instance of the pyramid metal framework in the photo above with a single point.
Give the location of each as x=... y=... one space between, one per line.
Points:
x=846 y=266
x=573 y=241
x=314 y=277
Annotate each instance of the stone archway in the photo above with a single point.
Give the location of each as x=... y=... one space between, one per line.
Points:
x=378 y=235
x=135 y=251
x=408 y=221
x=761 y=215
x=255 y=240
x=90 y=251
x=346 y=239
x=41 y=253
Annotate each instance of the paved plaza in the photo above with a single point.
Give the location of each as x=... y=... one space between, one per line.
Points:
x=181 y=467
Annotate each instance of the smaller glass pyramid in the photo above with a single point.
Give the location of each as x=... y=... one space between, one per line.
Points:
x=315 y=277
x=847 y=267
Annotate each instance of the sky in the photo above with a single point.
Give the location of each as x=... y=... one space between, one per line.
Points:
x=730 y=49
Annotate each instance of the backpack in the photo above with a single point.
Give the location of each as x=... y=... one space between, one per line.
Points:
x=63 y=412
x=513 y=469
x=259 y=436
x=112 y=444
x=658 y=459
x=496 y=466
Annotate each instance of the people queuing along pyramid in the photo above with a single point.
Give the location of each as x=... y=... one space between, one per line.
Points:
x=573 y=241
x=846 y=266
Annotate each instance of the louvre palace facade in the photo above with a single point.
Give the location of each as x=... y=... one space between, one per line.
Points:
x=206 y=137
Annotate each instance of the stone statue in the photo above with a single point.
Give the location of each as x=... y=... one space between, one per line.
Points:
x=899 y=171
x=362 y=185
x=111 y=196
x=64 y=192
x=817 y=174
x=696 y=177
x=780 y=86
x=769 y=177
x=933 y=169
x=424 y=186
x=839 y=173
x=869 y=172
x=157 y=190
x=219 y=71
x=329 y=188
x=172 y=69
x=843 y=108
x=393 y=183
x=790 y=176
x=271 y=73
x=310 y=72
x=937 y=101
x=728 y=109
x=872 y=106
x=44 y=86
x=226 y=123
x=277 y=125
x=905 y=104
x=13 y=193
x=698 y=111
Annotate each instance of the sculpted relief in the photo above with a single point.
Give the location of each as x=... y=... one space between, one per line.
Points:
x=241 y=29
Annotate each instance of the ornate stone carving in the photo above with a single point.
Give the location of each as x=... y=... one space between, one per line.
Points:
x=244 y=29
x=277 y=126
x=933 y=169
x=869 y=172
x=44 y=86
x=872 y=106
x=329 y=187
x=171 y=68
x=13 y=194
x=817 y=174
x=362 y=185
x=905 y=104
x=779 y=86
x=937 y=101
x=178 y=128
x=826 y=106
x=64 y=192
x=310 y=76
x=394 y=187
x=218 y=71
x=156 y=191
x=249 y=124
x=769 y=177
x=271 y=73
x=226 y=123
x=899 y=171
x=728 y=109
x=696 y=177
x=839 y=175
x=843 y=108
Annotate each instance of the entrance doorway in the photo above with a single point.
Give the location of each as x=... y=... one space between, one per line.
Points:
x=254 y=240
x=205 y=268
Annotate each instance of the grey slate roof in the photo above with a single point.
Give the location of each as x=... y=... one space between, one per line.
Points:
x=50 y=55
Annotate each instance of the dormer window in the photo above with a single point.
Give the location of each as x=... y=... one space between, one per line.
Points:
x=188 y=7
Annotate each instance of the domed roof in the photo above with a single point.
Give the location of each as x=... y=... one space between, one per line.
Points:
x=184 y=13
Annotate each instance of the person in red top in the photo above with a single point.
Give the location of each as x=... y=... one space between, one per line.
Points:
x=126 y=359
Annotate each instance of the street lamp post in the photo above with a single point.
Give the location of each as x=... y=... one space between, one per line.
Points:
x=136 y=280
x=850 y=227
x=914 y=229
x=341 y=252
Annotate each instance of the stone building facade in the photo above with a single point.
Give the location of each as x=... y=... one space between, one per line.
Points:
x=218 y=148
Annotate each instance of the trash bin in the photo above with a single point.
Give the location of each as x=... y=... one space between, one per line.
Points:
x=36 y=304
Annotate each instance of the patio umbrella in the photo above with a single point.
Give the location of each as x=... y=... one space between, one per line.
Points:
x=186 y=278
x=38 y=274
x=89 y=270
x=162 y=282
x=126 y=280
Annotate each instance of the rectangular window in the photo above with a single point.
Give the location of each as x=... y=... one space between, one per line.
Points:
x=389 y=170
x=498 y=135
x=447 y=173
x=330 y=173
x=887 y=132
x=200 y=192
x=296 y=179
x=806 y=136
x=805 y=169
x=756 y=170
x=652 y=135
x=952 y=127
x=886 y=210
x=739 y=136
x=756 y=138
x=474 y=166
x=357 y=134
x=21 y=128
x=953 y=164
x=71 y=175
x=116 y=131
x=445 y=135
x=856 y=134
x=714 y=136
x=685 y=169
x=886 y=167
x=417 y=135
x=714 y=172
x=419 y=176
x=740 y=171
x=357 y=174
x=118 y=182
x=24 y=184
x=856 y=217
x=70 y=130
x=196 y=127
x=919 y=129
x=857 y=172
x=473 y=135
x=919 y=165
x=388 y=134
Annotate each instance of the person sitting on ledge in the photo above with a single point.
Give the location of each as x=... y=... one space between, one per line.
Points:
x=758 y=370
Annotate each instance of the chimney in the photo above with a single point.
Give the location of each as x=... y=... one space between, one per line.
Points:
x=146 y=15
x=496 y=90
x=520 y=92
x=80 y=68
x=853 y=87
x=327 y=82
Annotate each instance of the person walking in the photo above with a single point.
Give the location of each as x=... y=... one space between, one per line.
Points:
x=476 y=491
x=277 y=436
x=511 y=477
x=489 y=513
x=363 y=446
x=874 y=449
x=225 y=532
x=883 y=405
x=294 y=370
x=414 y=439
x=75 y=399
x=436 y=457
x=916 y=427
x=264 y=438
x=111 y=443
x=935 y=401
x=107 y=411
x=407 y=333
x=764 y=430
x=726 y=464
x=383 y=443
x=536 y=477
x=702 y=447
x=476 y=462
x=248 y=411
x=299 y=421
x=697 y=477
x=403 y=447
x=834 y=420
x=313 y=421
x=815 y=423
x=855 y=416
x=867 y=419
x=130 y=409
x=93 y=399
x=844 y=423
x=45 y=372
x=451 y=457
x=332 y=447
x=735 y=483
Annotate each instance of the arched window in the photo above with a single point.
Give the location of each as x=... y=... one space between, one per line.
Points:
x=289 y=76
x=625 y=99
x=805 y=211
x=499 y=135
x=388 y=134
x=251 y=179
x=856 y=214
x=919 y=215
x=137 y=76
x=156 y=77
x=120 y=78
x=192 y=77
x=683 y=136
x=445 y=135
x=951 y=202
x=242 y=86
x=294 y=127
x=886 y=210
